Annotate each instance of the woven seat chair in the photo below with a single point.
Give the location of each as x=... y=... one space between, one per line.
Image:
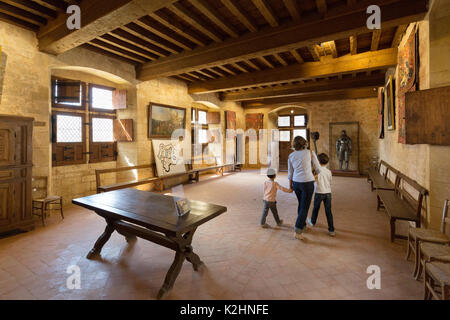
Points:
x=418 y=235
x=437 y=276
x=429 y=252
x=42 y=201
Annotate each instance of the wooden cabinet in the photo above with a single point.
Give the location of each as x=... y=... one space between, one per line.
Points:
x=15 y=173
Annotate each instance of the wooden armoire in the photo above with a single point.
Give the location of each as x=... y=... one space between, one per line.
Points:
x=15 y=173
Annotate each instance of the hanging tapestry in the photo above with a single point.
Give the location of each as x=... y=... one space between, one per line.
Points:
x=408 y=67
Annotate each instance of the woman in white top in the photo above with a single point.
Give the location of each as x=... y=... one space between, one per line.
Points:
x=301 y=180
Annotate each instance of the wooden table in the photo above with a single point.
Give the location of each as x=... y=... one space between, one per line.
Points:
x=153 y=217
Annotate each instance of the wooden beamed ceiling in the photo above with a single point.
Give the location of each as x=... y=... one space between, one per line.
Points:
x=240 y=48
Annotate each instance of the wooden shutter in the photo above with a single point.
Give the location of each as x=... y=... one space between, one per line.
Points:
x=101 y=151
x=119 y=99
x=68 y=153
x=66 y=91
x=213 y=117
x=123 y=130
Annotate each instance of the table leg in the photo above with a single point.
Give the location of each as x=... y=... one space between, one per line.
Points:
x=193 y=258
x=101 y=241
x=129 y=237
x=172 y=275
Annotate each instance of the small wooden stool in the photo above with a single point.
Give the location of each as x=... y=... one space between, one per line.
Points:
x=437 y=275
x=42 y=201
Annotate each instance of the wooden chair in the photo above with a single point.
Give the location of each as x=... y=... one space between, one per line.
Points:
x=416 y=236
x=437 y=276
x=42 y=201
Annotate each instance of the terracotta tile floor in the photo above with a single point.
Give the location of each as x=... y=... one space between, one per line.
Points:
x=242 y=260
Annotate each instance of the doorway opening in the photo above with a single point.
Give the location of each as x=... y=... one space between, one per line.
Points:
x=291 y=122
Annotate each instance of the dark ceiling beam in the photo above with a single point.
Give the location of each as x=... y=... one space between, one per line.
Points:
x=359 y=93
x=327 y=67
x=98 y=17
x=239 y=13
x=337 y=25
x=18 y=22
x=292 y=90
x=33 y=8
x=211 y=13
x=22 y=14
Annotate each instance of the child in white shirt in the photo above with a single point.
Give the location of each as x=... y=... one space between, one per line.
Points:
x=323 y=193
x=270 y=198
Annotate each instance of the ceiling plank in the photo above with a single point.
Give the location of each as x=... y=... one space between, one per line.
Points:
x=108 y=54
x=56 y=5
x=176 y=27
x=297 y=56
x=363 y=62
x=99 y=17
x=289 y=90
x=33 y=8
x=215 y=17
x=358 y=93
x=126 y=46
x=118 y=51
x=353 y=44
x=136 y=41
x=167 y=34
x=22 y=14
x=252 y=64
x=376 y=36
x=351 y=2
x=322 y=6
x=139 y=31
x=194 y=21
x=228 y=70
x=285 y=38
x=239 y=67
x=266 y=62
x=238 y=12
x=266 y=11
x=398 y=35
x=280 y=59
x=18 y=22
x=293 y=9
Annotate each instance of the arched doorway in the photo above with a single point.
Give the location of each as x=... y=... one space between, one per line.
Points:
x=291 y=121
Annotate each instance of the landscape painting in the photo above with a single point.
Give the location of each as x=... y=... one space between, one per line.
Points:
x=164 y=120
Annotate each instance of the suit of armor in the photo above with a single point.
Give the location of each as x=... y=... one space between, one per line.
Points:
x=344 y=149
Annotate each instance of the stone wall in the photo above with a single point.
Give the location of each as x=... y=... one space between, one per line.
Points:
x=428 y=165
x=25 y=90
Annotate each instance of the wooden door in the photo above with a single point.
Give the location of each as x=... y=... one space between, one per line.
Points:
x=285 y=149
x=7 y=144
x=6 y=203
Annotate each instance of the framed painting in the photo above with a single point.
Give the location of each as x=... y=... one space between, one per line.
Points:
x=254 y=121
x=163 y=120
x=230 y=120
x=390 y=103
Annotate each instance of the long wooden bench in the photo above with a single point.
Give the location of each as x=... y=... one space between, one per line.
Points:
x=194 y=175
x=379 y=179
x=401 y=205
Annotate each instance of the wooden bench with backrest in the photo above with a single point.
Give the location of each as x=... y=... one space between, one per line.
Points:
x=159 y=181
x=401 y=204
x=379 y=176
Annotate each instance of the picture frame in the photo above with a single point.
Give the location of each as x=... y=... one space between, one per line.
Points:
x=390 y=103
x=163 y=120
